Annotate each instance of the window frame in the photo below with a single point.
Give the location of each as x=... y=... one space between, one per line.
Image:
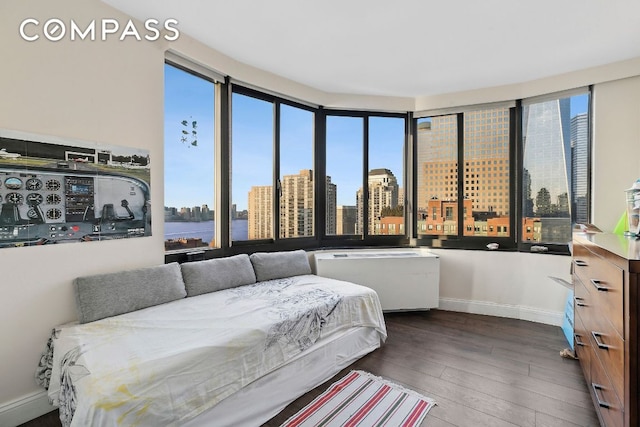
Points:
x=276 y=182
x=554 y=248
x=218 y=88
x=459 y=240
x=224 y=90
x=366 y=239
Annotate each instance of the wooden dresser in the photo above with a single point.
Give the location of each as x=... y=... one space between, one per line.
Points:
x=606 y=276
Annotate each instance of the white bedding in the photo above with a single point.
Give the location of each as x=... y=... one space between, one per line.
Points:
x=165 y=365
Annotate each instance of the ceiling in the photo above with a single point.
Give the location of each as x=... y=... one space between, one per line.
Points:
x=407 y=47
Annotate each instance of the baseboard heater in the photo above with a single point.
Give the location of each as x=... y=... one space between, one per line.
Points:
x=404 y=279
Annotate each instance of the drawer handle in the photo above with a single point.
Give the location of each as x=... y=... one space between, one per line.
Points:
x=598 y=284
x=581 y=263
x=576 y=338
x=601 y=402
x=578 y=302
x=600 y=344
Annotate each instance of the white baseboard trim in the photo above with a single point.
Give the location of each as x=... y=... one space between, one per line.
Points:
x=502 y=310
x=24 y=409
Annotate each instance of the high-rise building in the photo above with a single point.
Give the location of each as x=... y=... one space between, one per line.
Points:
x=579 y=172
x=545 y=149
x=296 y=205
x=196 y=213
x=346 y=217
x=296 y=208
x=383 y=193
x=547 y=158
x=330 y=207
x=260 y=212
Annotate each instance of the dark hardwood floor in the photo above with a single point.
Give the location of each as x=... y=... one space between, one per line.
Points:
x=481 y=370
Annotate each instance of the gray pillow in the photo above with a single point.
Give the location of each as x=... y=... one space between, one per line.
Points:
x=212 y=275
x=275 y=265
x=106 y=295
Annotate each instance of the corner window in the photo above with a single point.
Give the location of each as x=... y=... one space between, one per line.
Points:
x=464 y=173
x=365 y=202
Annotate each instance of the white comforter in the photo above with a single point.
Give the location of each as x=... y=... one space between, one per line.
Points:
x=166 y=364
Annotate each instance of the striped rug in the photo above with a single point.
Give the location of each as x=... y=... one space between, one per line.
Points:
x=362 y=399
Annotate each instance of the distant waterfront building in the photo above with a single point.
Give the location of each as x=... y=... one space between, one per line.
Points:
x=346 y=217
x=170 y=213
x=185 y=213
x=206 y=213
x=579 y=162
x=296 y=205
x=383 y=192
x=196 y=213
x=260 y=212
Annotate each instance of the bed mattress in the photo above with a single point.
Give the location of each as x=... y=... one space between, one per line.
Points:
x=168 y=364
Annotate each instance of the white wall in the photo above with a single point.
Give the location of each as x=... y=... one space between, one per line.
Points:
x=616 y=148
x=508 y=284
x=112 y=92
x=106 y=92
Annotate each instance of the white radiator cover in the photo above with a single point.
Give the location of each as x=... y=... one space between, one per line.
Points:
x=405 y=279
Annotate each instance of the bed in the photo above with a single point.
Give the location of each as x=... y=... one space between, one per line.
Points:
x=234 y=356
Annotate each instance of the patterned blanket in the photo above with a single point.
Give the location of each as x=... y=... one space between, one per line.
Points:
x=167 y=364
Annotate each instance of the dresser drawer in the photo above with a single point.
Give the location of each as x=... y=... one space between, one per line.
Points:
x=604 y=281
x=582 y=344
x=608 y=346
x=583 y=304
x=606 y=401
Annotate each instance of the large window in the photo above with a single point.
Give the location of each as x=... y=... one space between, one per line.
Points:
x=272 y=173
x=188 y=160
x=290 y=175
x=555 y=167
x=359 y=204
x=464 y=173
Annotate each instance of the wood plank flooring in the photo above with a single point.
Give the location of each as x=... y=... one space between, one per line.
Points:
x=482 y=371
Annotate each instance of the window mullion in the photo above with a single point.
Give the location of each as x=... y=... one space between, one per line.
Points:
x=223 y=166
x=277 y=184
x=365 y=177
x=461 y=176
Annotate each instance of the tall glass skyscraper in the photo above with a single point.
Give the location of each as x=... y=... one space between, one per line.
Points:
x=547 y=160
x=579 y=170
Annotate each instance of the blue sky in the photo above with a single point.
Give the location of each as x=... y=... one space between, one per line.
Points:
x=189 y=178
x=188 y=169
